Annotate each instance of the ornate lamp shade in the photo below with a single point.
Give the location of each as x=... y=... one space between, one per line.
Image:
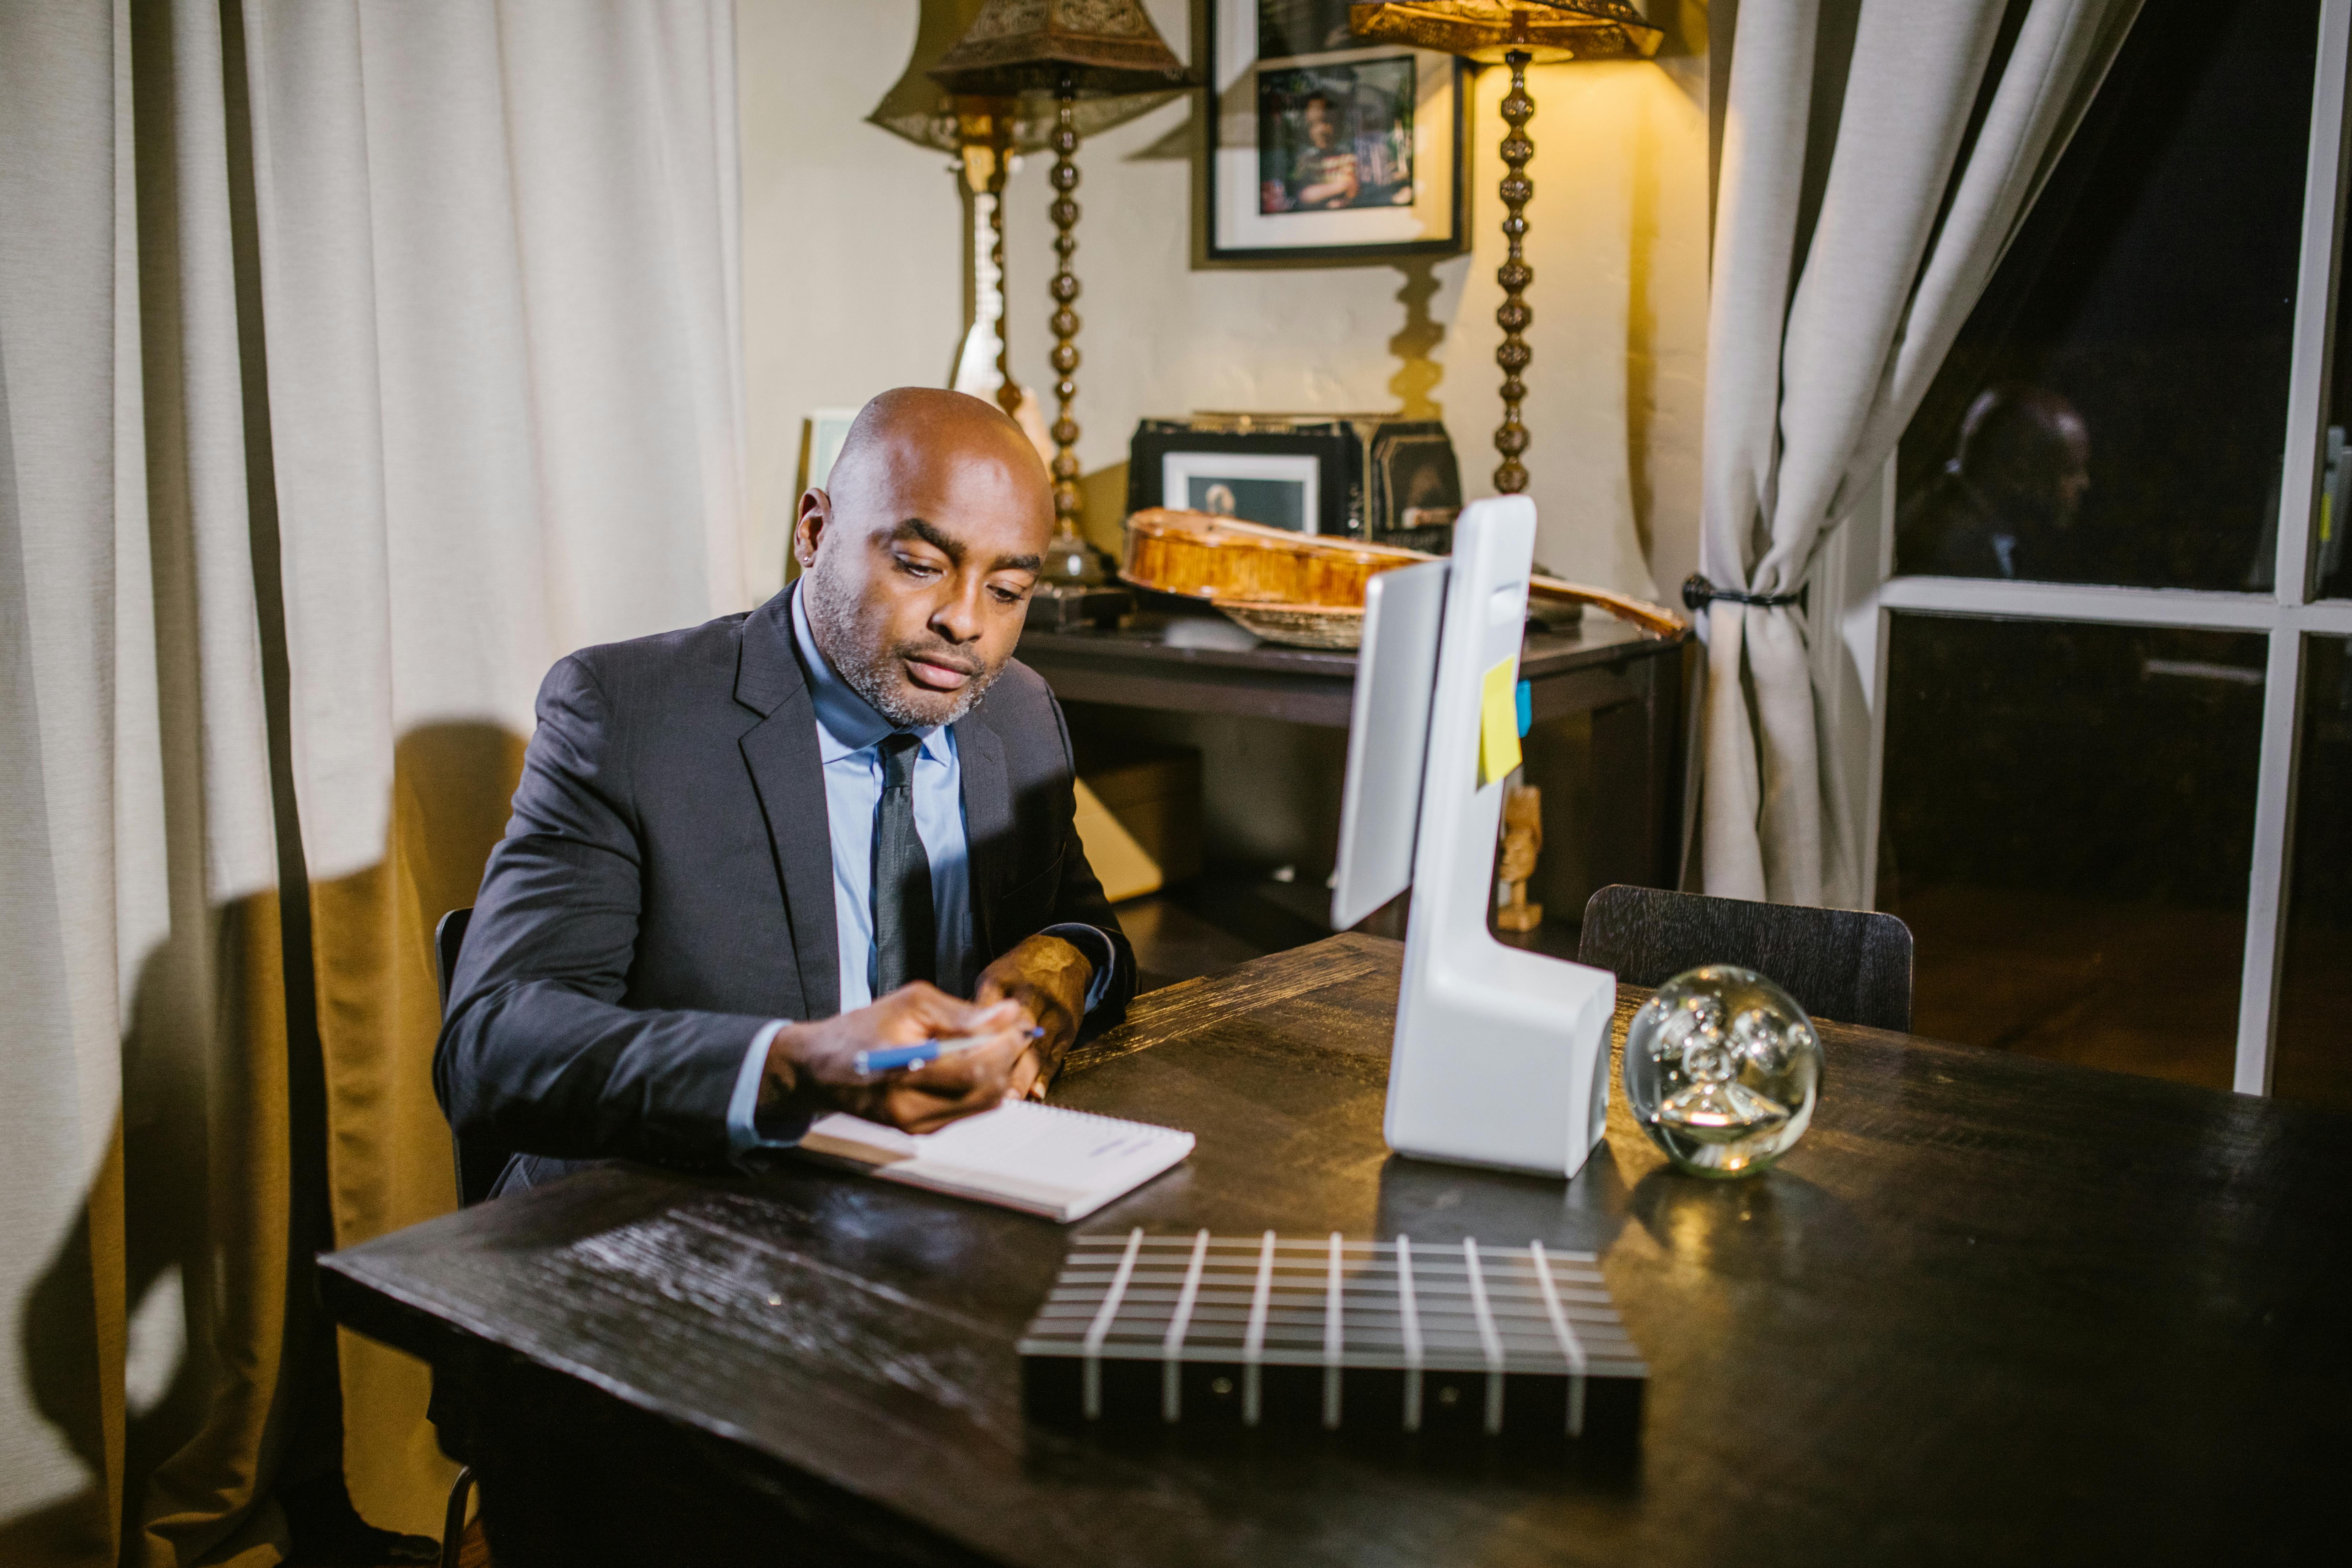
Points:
x=1516 y=33
x=923 y=111
x=1089 y=49
x=1546 y=31
x=1073 y=49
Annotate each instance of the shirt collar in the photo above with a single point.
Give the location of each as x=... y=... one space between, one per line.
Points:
x=845 y=722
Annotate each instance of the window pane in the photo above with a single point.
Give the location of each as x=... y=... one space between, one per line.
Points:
x=2313 y=1059
x=2116 y=409
x=2067 y=825
x=2331 y=564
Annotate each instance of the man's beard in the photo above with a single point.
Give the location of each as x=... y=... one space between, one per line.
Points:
x=872 y=670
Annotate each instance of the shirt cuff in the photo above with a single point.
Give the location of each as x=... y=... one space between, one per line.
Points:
x=1096 y=944
x=743 y=1134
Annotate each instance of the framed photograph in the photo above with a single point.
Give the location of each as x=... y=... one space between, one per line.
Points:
x=1324 y=147
x=822 y=433
x=1354 y=476
x=1279 y=490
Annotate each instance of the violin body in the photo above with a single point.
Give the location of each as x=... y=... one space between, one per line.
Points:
x=1222 y=559
x=1270 y=577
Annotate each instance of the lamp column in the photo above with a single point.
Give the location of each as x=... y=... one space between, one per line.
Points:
x=1000 y=139
x=1513 y=315
x=1067 y=501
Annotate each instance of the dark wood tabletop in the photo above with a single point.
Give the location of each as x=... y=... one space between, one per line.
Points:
x=1992 y=1309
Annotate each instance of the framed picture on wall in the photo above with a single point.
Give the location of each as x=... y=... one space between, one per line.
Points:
x=1323 y=146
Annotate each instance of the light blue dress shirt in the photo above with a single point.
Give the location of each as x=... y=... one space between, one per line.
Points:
x=849 y=736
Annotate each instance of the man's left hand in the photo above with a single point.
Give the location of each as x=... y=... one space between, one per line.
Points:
x=1048 y=977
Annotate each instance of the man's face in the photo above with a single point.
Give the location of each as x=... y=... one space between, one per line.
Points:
x=1319 y=129
x=919 y=565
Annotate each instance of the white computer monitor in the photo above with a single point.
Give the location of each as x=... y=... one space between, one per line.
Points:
x=1501 y=1056
x=1388 y=740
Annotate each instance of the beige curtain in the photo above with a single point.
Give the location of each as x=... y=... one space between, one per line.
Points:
x=144 y=1115
x=363 y=358
x=1821 y=343
x=497 y=262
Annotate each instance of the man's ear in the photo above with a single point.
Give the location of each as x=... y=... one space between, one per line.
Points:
x=808 y=530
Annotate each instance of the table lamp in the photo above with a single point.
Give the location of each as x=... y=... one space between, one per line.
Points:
x=983 y=134
x=1072 y=50
x=1516 y=33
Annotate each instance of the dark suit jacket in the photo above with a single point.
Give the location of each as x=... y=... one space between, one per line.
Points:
x=664 y=890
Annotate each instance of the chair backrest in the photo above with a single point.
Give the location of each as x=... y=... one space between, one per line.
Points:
x=447 y=938
x=1846 y=964
x=479 y=1165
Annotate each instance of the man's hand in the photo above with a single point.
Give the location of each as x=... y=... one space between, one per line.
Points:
x=811 y=1066
x=1047 y=978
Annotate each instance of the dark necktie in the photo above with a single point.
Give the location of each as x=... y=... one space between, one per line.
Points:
x=906 y=944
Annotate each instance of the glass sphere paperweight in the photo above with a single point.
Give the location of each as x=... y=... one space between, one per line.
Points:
x=1722 y=1070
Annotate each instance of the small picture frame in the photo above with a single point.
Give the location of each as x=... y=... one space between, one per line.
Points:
x=822 y=433
x=1324 y=147
x=1280 y=490
x=1372 y=477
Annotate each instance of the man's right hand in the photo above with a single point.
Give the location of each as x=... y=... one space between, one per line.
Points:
x=811 y=1066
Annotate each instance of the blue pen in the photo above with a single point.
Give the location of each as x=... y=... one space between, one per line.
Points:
x=893 y=1058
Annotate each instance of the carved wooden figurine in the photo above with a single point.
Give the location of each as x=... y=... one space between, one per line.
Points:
x=1522 y=839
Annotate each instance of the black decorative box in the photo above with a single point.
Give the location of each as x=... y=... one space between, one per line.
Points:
x=1062 y=607
x=1391 y=1336
x=1354 y=476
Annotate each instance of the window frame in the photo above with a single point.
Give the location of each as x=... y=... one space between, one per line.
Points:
x=2288 y=614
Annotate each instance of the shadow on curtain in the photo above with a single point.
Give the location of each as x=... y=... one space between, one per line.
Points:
x=197 y=1211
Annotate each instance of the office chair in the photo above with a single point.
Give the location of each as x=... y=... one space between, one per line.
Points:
x=478 y=1172
x=1847 y=964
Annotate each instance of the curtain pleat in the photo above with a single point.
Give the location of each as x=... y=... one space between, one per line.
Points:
x=62 y=1415
x=208 y=1155
x=1822 y=342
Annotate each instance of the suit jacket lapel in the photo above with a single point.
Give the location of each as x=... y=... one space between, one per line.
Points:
x=786 y=769
x=987 y=830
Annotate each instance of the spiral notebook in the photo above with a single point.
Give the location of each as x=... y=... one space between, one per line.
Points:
x=1041 y=1159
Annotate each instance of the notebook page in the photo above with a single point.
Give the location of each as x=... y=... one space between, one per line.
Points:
x=1043 y=1142
x=1038 y=1157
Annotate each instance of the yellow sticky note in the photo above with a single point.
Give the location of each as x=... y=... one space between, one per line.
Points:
x=1498 y=723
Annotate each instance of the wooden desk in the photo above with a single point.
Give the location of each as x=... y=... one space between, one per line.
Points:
x=1993 y=1309
x=1630 y=682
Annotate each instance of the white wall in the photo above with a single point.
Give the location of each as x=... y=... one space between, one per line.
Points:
x=852 y=282
x=851 y=239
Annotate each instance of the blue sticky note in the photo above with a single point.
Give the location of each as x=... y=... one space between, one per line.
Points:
x=1527 y=706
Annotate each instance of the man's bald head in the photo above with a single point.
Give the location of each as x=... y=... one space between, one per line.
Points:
x=2027 y=449
x=919 y=554
x=913 y=425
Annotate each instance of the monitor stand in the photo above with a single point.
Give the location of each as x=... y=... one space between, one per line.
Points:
x=1501 y=1055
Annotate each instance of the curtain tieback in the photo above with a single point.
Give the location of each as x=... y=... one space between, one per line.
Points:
x=1698 y=593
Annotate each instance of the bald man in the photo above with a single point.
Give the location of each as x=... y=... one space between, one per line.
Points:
x=744 y=852
x=2005 y=504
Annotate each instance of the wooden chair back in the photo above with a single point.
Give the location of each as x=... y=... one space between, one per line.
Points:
x=1846 y=964
x=448 y=937
x=478 y=1166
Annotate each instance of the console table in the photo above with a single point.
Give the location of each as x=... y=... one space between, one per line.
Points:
x=1630 y=680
